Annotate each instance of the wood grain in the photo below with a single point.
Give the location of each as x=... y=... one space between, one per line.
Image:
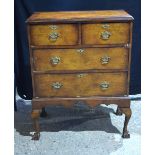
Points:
x=79 y=16
x=71 y=59
x=74 y=86
x=69 y=102
x=91 y=33
x=68 y=34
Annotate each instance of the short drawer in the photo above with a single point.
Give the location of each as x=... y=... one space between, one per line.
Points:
x=60 y=34
x=80 y=59
x=78 y=85
x=105 y=33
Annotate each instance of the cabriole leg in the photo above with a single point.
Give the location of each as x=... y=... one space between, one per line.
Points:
x=127 y=112
x=118 y=111
x=43 y=113
x=35 y=116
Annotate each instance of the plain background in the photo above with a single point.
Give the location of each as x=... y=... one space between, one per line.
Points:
x=7 y=77
x=24 y=8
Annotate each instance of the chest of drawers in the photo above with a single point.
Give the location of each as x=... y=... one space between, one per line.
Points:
x=80 y=56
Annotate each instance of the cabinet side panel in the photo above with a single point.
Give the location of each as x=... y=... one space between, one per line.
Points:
x=31 y=58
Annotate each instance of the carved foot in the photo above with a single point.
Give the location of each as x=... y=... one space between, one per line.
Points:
x=43 y=113
x=127 y=112
x=125 y=134
x=35 y=116
x=118 y=112
x=36 y=136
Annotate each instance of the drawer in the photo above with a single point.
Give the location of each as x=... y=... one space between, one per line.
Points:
x=105 y=33
x=60 y=34
x=76 y=85
x=80 y=59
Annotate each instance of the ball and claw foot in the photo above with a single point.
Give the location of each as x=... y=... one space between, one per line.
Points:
x=36 y=136
x=126 y=135
x=43 y=113
x=35 y=116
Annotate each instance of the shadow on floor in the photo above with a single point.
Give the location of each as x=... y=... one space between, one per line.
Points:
x=80 y=118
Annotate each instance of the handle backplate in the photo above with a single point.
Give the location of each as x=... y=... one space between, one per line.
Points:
x=55 y=60
x=105 y=35
x=57 y=85
x=105 y=59
x=104 y=85
x=54 y=36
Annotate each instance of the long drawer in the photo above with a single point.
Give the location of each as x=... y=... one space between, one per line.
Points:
x=76 y=85
x=80 y=59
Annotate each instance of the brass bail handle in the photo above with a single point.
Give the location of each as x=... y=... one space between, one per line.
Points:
x=54 y=36
x=104 y=85
x=105 y=35
x=105 y=59
x=56 y=85
x=55 y=60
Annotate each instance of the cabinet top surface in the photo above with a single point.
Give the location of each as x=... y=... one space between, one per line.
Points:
x=79 y=16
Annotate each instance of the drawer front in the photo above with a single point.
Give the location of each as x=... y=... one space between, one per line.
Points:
x=60 y=34
x=110 y=33
x=80 y=85
x=80 y=59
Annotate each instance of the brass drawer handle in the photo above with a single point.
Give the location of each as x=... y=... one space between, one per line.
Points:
x=104 y=85
x=106 y=26
x=105 y=35
x=80 y=51
x=54 y=36
x=105 y=59
x=57 y=85
x=55 y=60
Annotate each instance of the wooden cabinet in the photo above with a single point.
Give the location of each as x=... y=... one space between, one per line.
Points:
x=80 y=56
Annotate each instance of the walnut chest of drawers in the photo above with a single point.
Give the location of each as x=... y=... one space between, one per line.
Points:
x=80 y=56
